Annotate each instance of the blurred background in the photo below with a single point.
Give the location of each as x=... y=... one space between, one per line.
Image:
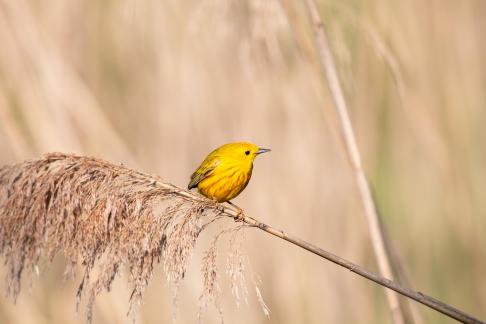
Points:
x=158 y=84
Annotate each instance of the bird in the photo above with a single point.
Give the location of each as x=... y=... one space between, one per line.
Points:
x=226 y=171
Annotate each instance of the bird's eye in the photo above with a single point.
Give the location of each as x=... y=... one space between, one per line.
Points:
x=247 y=152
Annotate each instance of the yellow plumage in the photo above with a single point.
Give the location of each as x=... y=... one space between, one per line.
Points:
x=226 y=171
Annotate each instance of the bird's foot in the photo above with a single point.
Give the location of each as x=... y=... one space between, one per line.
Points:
x=239 y=212
x=219 y=207
x=239 y=215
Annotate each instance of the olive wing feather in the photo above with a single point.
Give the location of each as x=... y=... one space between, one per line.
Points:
x=204 y=170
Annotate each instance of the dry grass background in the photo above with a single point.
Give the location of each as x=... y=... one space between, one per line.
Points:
x=158 y=84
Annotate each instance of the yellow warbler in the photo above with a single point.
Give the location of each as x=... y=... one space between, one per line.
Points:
x=226 y=171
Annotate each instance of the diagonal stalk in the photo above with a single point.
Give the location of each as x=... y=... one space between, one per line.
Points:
x=387 y=283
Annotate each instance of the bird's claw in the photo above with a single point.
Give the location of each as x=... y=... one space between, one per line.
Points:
x=220 y=208
x=239 y=216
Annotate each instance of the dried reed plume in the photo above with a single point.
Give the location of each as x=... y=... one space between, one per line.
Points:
x=105 y=217
x=101 y=216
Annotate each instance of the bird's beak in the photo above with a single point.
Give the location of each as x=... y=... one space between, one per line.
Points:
x=262 y=150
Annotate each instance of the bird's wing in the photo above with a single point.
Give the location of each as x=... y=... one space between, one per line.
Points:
x=204 y=170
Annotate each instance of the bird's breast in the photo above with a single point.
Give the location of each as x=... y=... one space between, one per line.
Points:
x=226 y=183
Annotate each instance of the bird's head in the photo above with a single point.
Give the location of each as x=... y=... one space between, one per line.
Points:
x=242 y=151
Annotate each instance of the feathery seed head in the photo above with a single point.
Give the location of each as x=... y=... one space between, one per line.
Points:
x=103 y=217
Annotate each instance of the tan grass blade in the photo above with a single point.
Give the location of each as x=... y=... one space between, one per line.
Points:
x=330 y=72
